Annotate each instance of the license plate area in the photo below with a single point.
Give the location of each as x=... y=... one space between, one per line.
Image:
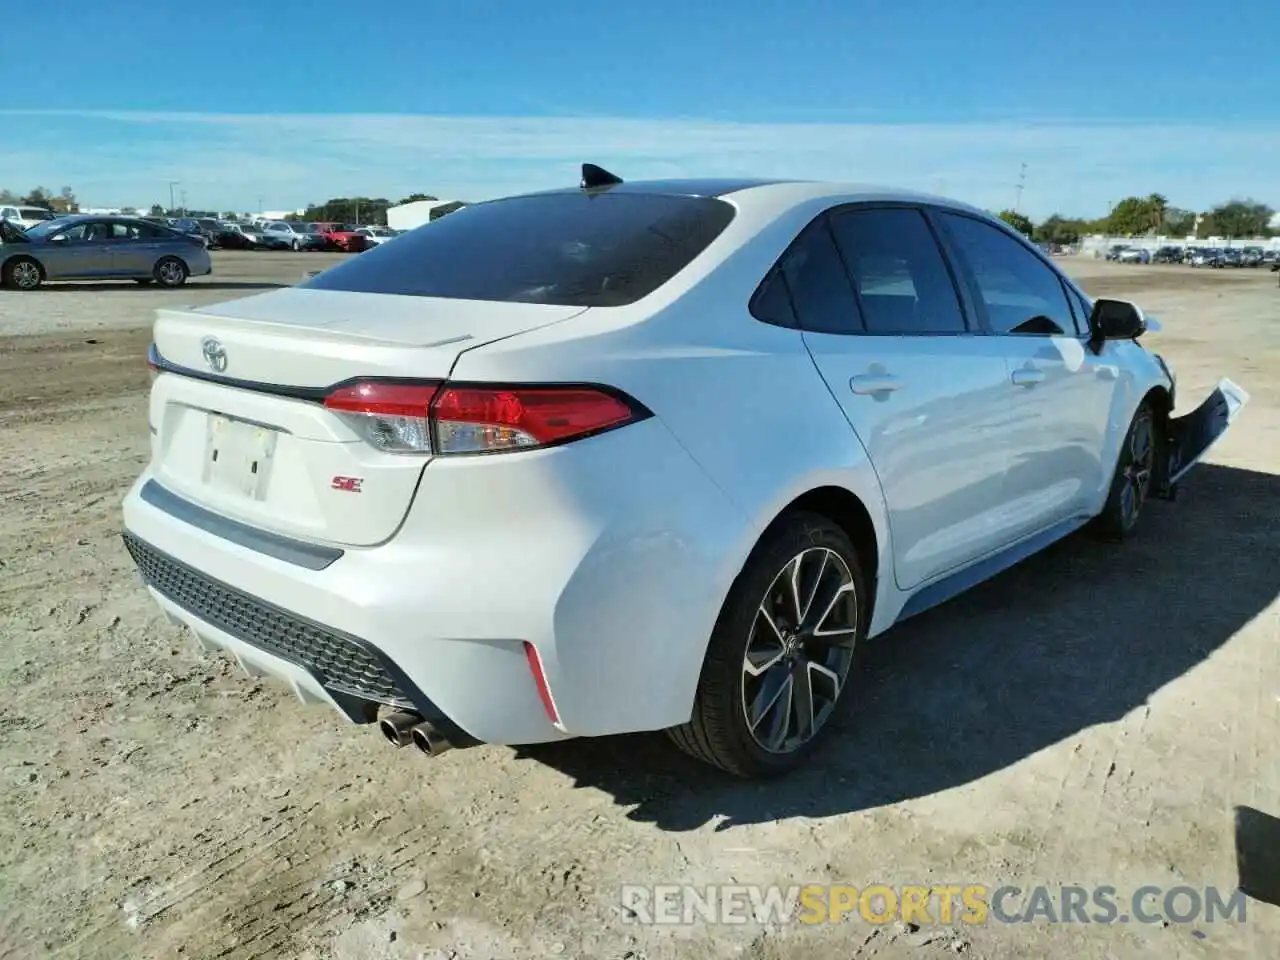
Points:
x=238 y=456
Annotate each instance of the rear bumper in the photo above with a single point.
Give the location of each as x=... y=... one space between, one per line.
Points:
x=609 y=556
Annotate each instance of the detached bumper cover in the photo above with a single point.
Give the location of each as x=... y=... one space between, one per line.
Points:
x=1189 y=437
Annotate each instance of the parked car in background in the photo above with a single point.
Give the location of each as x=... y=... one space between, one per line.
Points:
x=1205 y=257
x=344 y=237
x=1251 y=256
x=85 y=247
x=1113 y=253
x=239 y=236
x=189 y=227
x=562 y=399
x=23 y=217
x=1133 y=255
x=377 y=235
x=1231 y=257
x=1167 y=255
x=211 y=229
x=296 y=236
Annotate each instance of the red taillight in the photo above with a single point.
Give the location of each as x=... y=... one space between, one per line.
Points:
x=384 y=398
x=540 y=681
x=477 y=419
x=439 y=418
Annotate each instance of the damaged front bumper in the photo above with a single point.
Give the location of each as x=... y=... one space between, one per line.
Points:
x=1189 y=437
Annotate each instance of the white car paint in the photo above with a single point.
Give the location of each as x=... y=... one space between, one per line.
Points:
x=613 y=555
x=25 y=217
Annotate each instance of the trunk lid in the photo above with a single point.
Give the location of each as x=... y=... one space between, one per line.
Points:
x=256 y=445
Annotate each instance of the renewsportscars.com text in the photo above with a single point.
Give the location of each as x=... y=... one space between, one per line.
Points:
x=926 y=905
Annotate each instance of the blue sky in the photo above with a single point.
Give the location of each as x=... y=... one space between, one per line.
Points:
x=284 y=101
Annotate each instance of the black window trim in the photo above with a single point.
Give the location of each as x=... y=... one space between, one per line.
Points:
x=968 y=309
x=933 y=213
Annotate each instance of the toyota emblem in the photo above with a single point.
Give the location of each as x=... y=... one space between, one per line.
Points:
x=215 y=355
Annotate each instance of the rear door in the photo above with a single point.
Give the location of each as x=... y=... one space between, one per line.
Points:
x=135 y=248
x=1057 y=390
x=887 y=330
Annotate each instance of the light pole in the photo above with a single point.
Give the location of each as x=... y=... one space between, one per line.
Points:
x=172 y=184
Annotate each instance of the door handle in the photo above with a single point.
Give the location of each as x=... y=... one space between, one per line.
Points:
x=1027 y=377
x=866 y=383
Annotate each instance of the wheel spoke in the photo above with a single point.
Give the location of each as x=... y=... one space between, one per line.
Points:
x=812 y=592
x=793 y=581
x=850 y=624
x=802 y=702
x=770 y=715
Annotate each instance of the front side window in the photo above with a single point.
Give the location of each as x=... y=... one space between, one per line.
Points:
x=575 y=249
x=903 y=283
x=1019 y=293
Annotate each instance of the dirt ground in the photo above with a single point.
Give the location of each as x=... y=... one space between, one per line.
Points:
x=1091 y=717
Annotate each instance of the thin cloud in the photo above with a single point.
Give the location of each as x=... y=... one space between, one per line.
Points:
x=232 y=160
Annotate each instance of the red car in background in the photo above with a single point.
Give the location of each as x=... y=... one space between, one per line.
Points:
x=343 y=236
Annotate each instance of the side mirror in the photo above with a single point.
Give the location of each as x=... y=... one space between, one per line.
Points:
x=1115 y=320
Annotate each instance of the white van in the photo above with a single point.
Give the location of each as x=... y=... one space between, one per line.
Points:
x=26 y=216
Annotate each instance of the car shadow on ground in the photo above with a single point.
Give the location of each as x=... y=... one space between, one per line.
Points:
x=1078 y=635
x=54 y=286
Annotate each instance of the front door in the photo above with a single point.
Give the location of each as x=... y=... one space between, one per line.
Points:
x=925 y=396
x=81 y=251
x=1059 y=392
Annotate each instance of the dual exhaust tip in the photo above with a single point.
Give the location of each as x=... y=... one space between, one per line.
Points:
x=402 y=729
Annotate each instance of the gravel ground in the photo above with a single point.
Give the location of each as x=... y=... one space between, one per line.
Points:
x=1091 y=717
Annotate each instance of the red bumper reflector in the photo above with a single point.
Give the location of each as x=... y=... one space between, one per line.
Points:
x=540 y=681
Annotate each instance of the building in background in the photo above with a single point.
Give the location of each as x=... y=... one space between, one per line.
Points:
x=409 y=215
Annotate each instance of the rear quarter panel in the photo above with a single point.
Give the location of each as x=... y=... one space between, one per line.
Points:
x=742 y=398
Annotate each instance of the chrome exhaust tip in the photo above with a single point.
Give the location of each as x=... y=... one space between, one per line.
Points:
x=396 y=727
x=429 y=740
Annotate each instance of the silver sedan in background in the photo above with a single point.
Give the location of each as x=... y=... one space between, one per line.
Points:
x=99 y=248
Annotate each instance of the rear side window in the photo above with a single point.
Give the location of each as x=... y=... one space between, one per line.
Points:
x=1020 y=293
x=903 y=283
x=820 y=292
x=575 y=249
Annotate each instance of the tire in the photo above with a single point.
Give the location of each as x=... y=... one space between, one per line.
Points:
x=170 y=272
x=22 y=273
x=753 y=651
x=1131 y=482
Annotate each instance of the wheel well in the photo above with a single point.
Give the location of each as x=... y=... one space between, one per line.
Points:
x=850 y=514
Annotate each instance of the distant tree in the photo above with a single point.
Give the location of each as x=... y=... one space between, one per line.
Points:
x=65 y=201
x=1129 y=217
x=1179 y=222
x=1016 y=220
x=8 y=196
x=1238 y=218
x=1157 y=205
x=415 y=197
x=156 y=210
x=1059 y=229
x=39 y=197
x=129 y=211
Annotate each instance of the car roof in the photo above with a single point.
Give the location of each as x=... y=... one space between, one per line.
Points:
x=766 y=196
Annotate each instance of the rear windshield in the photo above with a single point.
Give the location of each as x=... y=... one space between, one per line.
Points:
x=575 y=249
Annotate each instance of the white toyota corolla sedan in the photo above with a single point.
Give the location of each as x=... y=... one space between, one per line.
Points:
x=638 y=456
